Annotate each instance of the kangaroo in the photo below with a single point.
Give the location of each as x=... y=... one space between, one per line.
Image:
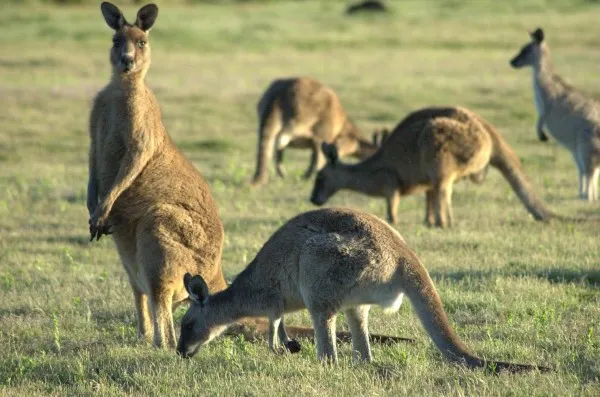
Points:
x=369 y=6
x=302 y=113
x=143 y=191
x=328 y=260
x=570 y=117
x=141 y=188
x=428 y=151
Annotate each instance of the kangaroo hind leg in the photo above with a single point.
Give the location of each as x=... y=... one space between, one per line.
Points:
x=358 y=322
x=592 y=187
x=442 y=192
x=324 y=325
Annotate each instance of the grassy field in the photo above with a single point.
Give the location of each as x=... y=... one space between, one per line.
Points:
x=514 y=289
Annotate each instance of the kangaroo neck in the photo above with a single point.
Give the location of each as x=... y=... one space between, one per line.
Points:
x=243 y=298
x=226 y=307
x=132 y=85
x=362 y=177
x=543 y=82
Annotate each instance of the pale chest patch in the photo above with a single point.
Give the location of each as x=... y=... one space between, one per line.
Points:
x=538 y=99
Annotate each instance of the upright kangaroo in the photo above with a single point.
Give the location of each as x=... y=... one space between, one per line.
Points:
x=164 y=218
x=302 y=113
x=571 y=117
x=160 y=208
x=326 y=261
x=428 y=151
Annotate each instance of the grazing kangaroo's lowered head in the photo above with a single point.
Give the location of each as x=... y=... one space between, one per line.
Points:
x=531 y=52
x=198 y=326
x=130 y=53
x=328 y=182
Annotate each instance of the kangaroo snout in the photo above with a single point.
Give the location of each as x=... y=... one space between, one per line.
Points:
x=514 y=63
x=128 y=63
x=183 y=352
x=317 y=200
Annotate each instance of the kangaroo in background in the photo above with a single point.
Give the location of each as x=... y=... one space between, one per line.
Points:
x=572 y=118
x=302 y=113
x=142 y=188
x=326 y=261
x=428 y=151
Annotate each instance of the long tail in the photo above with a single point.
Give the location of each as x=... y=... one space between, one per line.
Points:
x=268 y=114
x=256 y=329
x=507 y=162
x=424 y=297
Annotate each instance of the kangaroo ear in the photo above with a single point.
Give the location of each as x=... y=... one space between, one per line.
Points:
x=385 y=133
x=330 y=151
x=376 y=136
x=146 y=17
x=112 y=15
x=196 y=288
x=537 y=35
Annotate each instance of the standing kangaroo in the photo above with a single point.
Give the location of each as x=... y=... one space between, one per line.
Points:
x=571 y=117
x=428 y=151
x=327 y=260
x=160 y=208
x=164 y=218
x=302 y=113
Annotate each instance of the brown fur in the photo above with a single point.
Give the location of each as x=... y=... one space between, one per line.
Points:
x=571 y=117
x=302 y=113
x=159 y=207
x=327 y=261
x=428 y=151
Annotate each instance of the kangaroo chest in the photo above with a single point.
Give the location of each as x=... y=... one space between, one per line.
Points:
x=538 y=98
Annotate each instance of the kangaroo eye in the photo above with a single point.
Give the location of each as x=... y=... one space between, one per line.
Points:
x=189 y=326
x=141 y=43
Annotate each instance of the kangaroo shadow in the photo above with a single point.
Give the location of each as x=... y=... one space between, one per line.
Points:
x=588 y=277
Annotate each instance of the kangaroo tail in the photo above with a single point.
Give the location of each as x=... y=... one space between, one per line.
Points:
x=506 y=161
x=268 y=115
x=424 y=297
x=256 y=329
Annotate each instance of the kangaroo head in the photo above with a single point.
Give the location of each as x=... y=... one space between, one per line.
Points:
x=130 y=53
x=531 y=52
x=326 y=183
x=196 y=327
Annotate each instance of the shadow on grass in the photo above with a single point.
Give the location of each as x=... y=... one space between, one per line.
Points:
x=588 y=277
x=213 y=145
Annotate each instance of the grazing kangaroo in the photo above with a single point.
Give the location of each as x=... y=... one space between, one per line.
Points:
x=327 y=260
x=302 y=113
x=141 y=187
x=428 y=151
x=572 y=118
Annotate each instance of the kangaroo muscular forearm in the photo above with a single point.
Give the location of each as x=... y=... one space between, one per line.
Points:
x=92 y=193
x=131 y=165
x=92 y=187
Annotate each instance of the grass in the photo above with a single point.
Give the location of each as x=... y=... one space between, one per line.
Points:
x=514 y=289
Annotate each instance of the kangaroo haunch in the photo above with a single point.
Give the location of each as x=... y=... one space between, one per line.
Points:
x=326 y=261
x=572 y=118
x=428 y=151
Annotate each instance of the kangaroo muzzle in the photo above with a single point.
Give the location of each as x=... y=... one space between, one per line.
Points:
x=127 y=63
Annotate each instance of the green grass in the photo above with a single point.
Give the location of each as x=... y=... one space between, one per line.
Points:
x=514 y=289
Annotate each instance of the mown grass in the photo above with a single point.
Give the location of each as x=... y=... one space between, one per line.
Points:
x=514 y=289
